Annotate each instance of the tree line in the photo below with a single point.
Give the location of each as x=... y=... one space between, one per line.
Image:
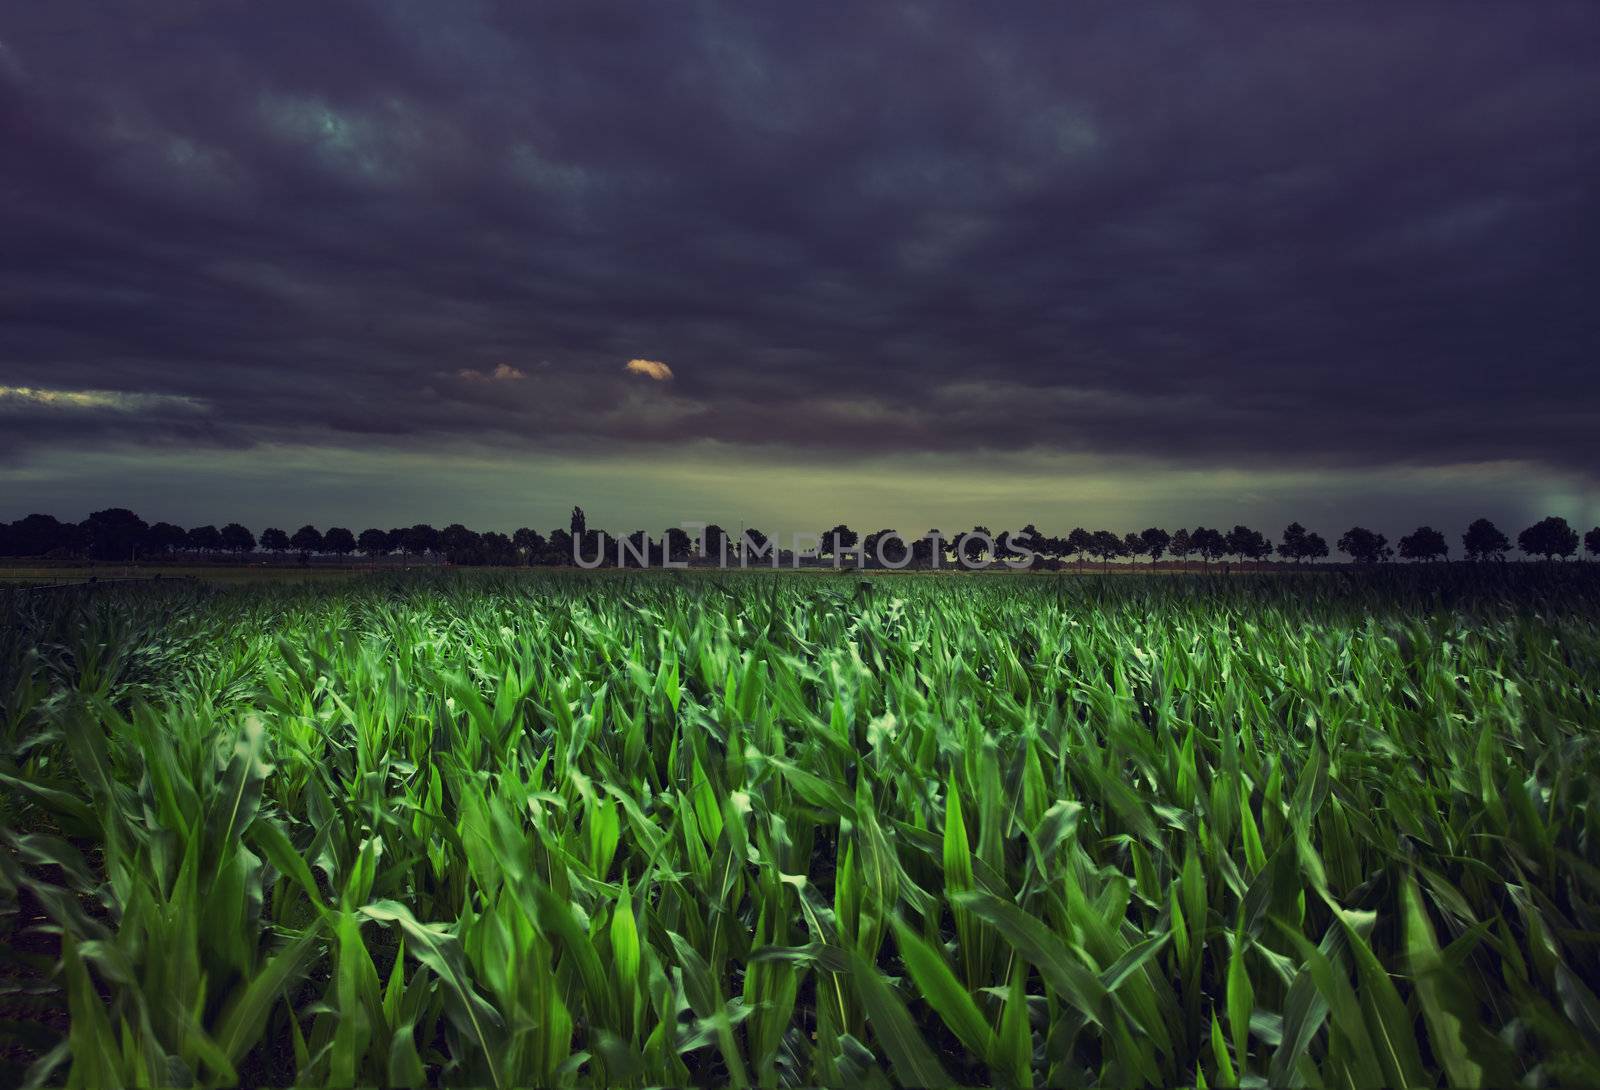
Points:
x=119 y=535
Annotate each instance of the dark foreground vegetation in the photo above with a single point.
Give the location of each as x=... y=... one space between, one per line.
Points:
x=1330 y=830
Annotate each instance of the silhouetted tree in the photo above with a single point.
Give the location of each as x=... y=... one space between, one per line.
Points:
x=38 y=535
x=893 y=547
x=1549 y=537
x=306 y=540
x=457 y=536
x=974 y=545
x=752 y=541
x=1155 y=542
x=1364 y=546
x=204 y=539
x=1484 y=541
x=1248 y=544
x=1026 y=540
x=841 y=537
x=1181 y=545
x=578 y=525
x=1079 y=542
x=1210 y=544
x=1293 y=544
x=886 y=541
x=497 y=549
x=560 y=551
x=422 y=539
x=274 y=540
x=164 y=539
x=1424 y=543
x=117 y=533
x=529 y=543
x=928 y=550
x=869 y=545
x=237 y=539
x=1005 y=544
x=459 y=544
x=677 y=543
x=714 y=543
x=339 y=541
x=1105 y=545
x=113 y=534
x=374 y=542
x=640 y=551
x=597 y=544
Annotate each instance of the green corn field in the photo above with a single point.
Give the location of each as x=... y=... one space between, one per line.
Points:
x=781 y=830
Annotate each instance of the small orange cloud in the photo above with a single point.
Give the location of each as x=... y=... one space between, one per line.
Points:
x=654 y=370
x=504 y=373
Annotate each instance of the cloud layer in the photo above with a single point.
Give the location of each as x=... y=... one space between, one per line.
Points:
x=25 y=399
x=1292 y=236
x=503 y=372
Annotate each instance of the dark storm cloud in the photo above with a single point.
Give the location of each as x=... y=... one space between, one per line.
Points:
x=1291 y=235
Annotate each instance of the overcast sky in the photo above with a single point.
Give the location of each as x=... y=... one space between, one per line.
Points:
x=908 y=265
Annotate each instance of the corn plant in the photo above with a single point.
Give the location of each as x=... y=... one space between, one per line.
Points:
x=781 y=830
